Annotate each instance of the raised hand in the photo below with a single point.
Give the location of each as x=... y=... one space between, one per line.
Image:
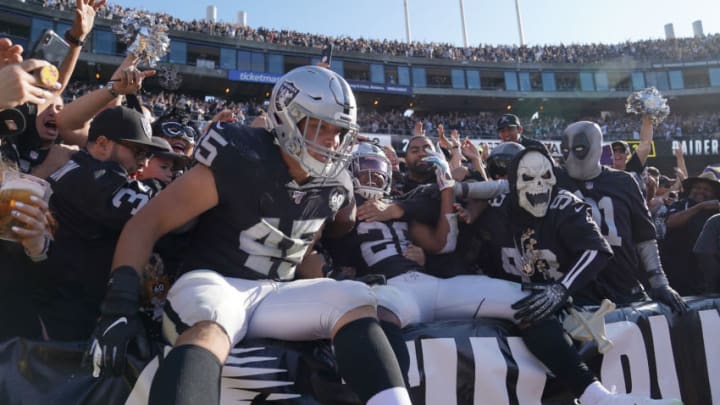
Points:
x=443 y=173
x=9 y=53
x=19 y=86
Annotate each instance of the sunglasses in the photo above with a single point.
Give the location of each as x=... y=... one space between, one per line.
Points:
x=173 y=129
x=138 y=151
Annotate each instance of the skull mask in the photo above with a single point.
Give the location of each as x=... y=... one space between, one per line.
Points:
x=534 y=183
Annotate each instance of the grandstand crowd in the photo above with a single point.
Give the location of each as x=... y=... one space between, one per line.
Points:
x=697 y=125
x=116 y=155
x=659 y=50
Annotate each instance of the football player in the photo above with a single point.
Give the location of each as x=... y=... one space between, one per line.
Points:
x=544 y=237
x=261 y=198
x=619 y=208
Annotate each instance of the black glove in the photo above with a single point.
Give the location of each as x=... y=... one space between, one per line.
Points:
x=666 y=295
x=118 y=325
x=544 y=301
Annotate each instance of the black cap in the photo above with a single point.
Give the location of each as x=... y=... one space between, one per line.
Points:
x=508 y=120
x=164 y=150
x=623 y=144
x=122 y=124
x=666 y=181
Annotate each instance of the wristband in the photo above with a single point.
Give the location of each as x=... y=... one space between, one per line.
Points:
x=109 y=87
x=71 y=39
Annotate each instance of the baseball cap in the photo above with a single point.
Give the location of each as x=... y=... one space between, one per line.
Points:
x=122 y=124
x=624 y=144
x=666 y=181
x=508 y=120
x=164 y=150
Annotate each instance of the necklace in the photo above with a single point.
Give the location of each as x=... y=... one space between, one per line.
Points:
x=527 y=252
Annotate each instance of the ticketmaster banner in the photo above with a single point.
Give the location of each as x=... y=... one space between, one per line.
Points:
x=477 y=362
x=253 y=77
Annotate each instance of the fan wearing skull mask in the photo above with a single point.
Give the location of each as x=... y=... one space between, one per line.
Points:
x=544 y=237
x=620 y=211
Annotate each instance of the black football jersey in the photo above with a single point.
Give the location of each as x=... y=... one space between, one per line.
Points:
x=264 y=221
x=373 y=248
x=519 y=247
x=91 y=201
x=620 y=210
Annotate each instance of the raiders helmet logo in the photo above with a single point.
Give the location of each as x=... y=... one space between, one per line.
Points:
x=285 y=95
x=337 y=199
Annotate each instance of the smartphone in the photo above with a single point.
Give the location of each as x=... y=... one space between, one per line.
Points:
x=50 y=47
x=326 y=56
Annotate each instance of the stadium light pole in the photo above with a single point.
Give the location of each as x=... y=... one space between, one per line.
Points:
x=462 y=22
x=519 y=23
x=407 y=22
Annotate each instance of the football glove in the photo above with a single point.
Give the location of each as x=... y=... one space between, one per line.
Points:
x=544 y=301
x=442 y=170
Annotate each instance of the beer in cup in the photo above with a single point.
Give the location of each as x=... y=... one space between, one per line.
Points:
x=18 y=187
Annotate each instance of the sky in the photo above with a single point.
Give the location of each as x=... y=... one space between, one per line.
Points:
x=487 y=21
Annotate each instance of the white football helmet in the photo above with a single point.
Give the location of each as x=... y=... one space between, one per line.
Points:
x=313 y=92
x=371 y=171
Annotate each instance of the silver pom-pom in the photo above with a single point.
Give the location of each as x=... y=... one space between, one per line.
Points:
x=650 y=102
x=145 y=36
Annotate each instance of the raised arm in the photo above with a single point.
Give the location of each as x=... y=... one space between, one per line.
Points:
x=82 y=25
x=646 y=137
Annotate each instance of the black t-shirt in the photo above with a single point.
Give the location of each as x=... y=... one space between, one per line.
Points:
x=620 y=211
x=521 y=247
x=526 y=142
x=677 y=250
x=264 y=221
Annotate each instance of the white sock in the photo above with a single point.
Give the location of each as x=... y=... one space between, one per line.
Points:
x=594 y=393
x=395 y=395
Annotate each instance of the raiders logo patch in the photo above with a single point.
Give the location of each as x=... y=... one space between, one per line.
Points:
x=337 y=199
x=285 y=95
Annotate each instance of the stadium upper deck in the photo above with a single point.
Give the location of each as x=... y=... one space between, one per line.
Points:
x=218 y=59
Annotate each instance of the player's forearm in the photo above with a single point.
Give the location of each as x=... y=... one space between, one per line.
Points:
x=135 y=244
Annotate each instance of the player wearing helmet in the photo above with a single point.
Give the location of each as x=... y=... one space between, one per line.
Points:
x=261 y=197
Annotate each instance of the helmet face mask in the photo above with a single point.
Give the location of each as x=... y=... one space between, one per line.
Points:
x=371 y=171
x=305 y=103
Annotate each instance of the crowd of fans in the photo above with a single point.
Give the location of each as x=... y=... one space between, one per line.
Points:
x=475 y=125
x=54 y=281
x=682 y=49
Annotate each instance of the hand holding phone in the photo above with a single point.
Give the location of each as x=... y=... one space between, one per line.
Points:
x=50 y=47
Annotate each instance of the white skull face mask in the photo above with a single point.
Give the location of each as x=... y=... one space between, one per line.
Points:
x=535 y=180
